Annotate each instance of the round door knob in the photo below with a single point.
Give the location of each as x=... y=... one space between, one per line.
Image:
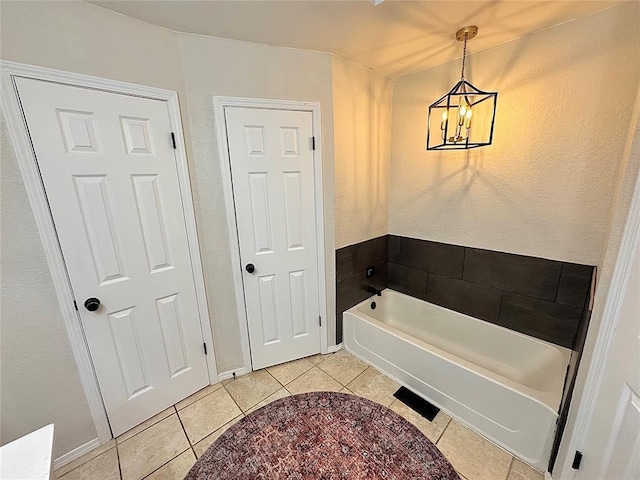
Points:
x=92 y=304
x=250 y=268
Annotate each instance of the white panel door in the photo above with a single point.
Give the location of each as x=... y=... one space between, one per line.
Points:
x=273 y=185
x=612 y=447
x=109 y=172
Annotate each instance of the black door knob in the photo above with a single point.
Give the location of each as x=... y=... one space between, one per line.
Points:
x=250 y=268
x=92 y=304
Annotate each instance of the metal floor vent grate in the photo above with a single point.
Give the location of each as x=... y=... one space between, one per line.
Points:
x=417 y=403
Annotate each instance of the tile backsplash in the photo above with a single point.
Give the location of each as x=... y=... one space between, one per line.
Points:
x=351 y=281
x=542 y=298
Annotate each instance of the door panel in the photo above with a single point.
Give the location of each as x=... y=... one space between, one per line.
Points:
x=623 y=461
x=108 y=168
x=153 y=224
x=274 y=192
x=125 y=335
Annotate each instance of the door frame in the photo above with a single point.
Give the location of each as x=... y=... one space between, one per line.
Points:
x=219 y=105
x=27 y=163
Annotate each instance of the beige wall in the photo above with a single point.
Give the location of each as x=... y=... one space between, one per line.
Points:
x=362 y=128
x=545 y=186
x=39 y=378
x=220 y=67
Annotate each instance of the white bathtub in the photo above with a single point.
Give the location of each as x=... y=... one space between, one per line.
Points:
x=503 y=384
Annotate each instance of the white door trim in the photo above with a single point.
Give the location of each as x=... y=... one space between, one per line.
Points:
x=622 y=271
x=38 y=200
x=219 y=104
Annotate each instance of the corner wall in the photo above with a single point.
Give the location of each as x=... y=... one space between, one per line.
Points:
x=362 y=136
x=545 y=186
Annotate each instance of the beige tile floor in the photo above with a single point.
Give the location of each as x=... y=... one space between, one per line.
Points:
x=167 y=445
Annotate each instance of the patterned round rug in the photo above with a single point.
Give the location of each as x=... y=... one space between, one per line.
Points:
x=323 y=436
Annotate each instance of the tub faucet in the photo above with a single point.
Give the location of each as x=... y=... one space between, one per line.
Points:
x=372 y=289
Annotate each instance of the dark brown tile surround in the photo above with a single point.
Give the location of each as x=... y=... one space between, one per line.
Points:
x=542 y=298
x=351 y=283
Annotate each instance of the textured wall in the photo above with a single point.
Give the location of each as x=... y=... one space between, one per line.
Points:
x=216 y=66
x=40 y=382
x=545 y=187
x=362 y=128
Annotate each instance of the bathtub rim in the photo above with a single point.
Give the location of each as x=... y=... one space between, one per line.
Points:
x=544 y=398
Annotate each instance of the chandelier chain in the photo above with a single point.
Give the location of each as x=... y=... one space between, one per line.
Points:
x=464 y=54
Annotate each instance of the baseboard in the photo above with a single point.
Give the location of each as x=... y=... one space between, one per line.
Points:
x=69 y=457
x=334 y=348
x=229 y=374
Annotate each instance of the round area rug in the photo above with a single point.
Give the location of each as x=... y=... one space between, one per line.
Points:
x=323 y=436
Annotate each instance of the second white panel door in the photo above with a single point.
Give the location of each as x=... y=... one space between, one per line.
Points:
x=272 y=170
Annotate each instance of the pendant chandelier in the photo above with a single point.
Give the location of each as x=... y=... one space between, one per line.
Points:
x=465 y=116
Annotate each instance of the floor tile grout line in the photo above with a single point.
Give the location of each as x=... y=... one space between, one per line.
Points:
x=285 y=384
x=311 y=368
x=234 y=401
x=237 y=417
x=261 y=400
x=267 y=370
x=175 y=412
x=119 y=464
x=326 y=355
x=481 y=435
x=204 y=396
x=335 y=379
x=183 y=429
x=166 y=463
x=513 y=459
x=357 y=376
x=344 y=385
x=443 y=430
x=88 y=459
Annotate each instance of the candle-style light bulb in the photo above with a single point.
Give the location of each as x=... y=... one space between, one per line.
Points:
x=462 y=110
x=467 y=121
x=443 y=123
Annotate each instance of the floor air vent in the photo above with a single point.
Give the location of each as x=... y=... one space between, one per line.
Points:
x=417 y=403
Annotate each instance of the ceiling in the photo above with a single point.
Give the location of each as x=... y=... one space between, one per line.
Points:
x=395 y=38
